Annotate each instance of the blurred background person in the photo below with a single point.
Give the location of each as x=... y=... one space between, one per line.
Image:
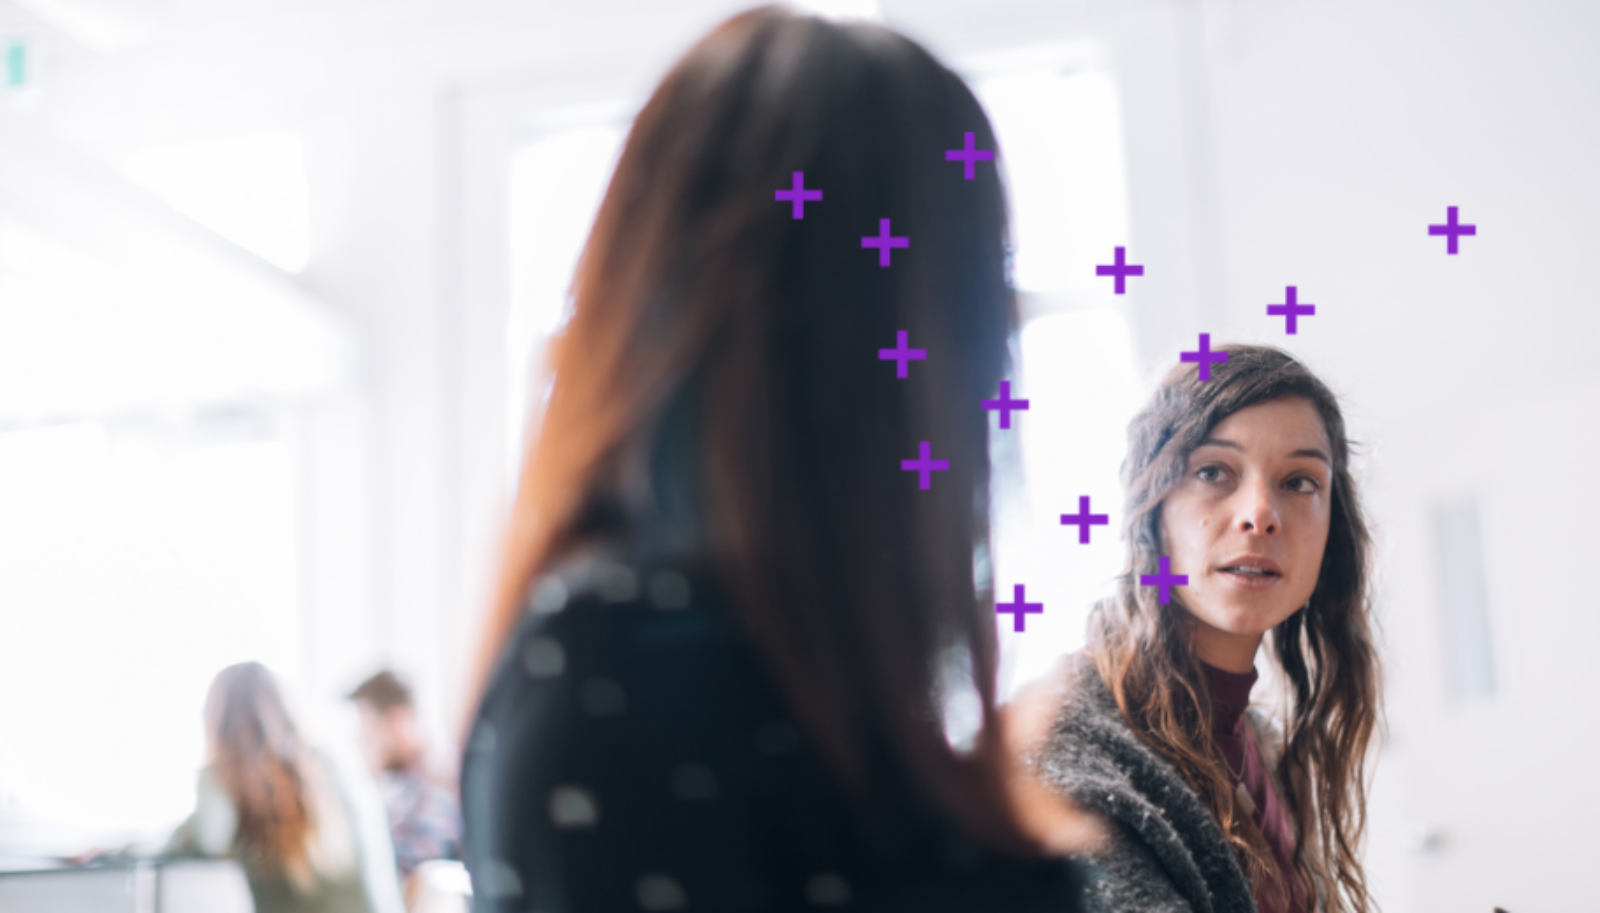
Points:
x=291 y=816
x=424 y=816
x=740 y=657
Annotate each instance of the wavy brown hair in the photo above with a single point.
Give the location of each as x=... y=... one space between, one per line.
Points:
x=257 y=753
x=1325 y=650
x=711 y=326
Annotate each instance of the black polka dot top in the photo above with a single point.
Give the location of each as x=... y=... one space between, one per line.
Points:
x=632 y=754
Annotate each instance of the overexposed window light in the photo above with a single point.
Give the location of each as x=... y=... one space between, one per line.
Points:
x=1076 y=369
x=79 y=336
x=251 y=190
x=557 y=183
x=1062 y=154
x=136 y=567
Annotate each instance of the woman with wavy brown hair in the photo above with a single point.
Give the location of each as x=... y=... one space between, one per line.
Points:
x=292 y=818
x=1244 y=528
x=730 y=623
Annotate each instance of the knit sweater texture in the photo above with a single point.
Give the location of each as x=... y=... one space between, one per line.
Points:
x=1164 y=852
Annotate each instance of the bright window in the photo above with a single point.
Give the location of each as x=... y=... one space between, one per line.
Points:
x=136 y=564
x=557 y=182
x=1076 y=371
x=1060 y=135
x=1061 y=149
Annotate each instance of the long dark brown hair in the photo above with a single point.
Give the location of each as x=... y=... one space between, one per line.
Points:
x=705 y=314
x=1324 y=650
x=258 y=755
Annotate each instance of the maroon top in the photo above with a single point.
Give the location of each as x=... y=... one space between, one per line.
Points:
x=1230 y=697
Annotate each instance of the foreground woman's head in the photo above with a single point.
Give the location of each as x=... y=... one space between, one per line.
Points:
x=717 y=391
x=1243 y=484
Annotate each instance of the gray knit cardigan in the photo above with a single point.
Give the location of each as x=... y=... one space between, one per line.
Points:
x=1164 y=852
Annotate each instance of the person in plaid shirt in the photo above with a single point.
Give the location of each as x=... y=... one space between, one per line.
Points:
x=424 y=816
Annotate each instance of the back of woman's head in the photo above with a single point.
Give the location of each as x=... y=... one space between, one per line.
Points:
x=258 y=756
x=1324 y=651
x=718 y=391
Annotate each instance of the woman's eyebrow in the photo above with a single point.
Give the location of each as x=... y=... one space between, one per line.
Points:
x=1312 y=452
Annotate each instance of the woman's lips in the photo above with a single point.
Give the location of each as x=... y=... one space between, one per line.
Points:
x=1250 y=581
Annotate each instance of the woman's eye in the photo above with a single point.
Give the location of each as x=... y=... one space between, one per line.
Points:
x=1210 y=474
x=1304 y=485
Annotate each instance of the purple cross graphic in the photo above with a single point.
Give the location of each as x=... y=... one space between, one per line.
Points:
x=1165 y=579
x=1291 y=309
x=1083 y=520
x=884 y=242
x=797 y=195
x=924 y=466
x=902 y=353
x=969 y=155
x=1452 y=230
x=1204 y=357
x=1120 y=269
x=1018 y=610
x=1005 y=404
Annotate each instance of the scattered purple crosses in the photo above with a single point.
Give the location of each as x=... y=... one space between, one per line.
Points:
x=1204 y=357
x=1452 y=230
x=1291 y=309
x=902 y=353
x=1005 y=404
x=969 y=155
x=797 y=195
x=1083 y=520
x=924 y=466
x=884 y=242
x=1165 y=580
x=1121 y=269
x=1019 y=610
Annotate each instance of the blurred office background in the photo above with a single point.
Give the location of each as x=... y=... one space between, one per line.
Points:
x=276 y=275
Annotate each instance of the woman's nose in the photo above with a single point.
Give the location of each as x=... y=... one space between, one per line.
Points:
x=1257 y=513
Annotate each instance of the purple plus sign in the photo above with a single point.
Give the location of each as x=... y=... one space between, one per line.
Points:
x=1452 y=230
x=1083 y=520
x=884 y=242
x=1018 y=610
x=1005 y=404
x=1120 y=269
x=902 y=353
x=925 y=466
x=1291 y=309
x=1204 y=357
x=969 y=155
x=797 y=195
x=1165 y=579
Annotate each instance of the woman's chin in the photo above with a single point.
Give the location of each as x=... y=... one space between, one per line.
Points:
x=1246 y=614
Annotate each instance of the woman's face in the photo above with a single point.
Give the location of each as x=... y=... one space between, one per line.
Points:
x=1248 y=524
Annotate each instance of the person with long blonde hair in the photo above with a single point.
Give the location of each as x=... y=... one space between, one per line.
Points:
x=1244 y=531
x=284 y=810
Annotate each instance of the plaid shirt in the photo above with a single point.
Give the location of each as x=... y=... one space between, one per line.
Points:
x=424 y=820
